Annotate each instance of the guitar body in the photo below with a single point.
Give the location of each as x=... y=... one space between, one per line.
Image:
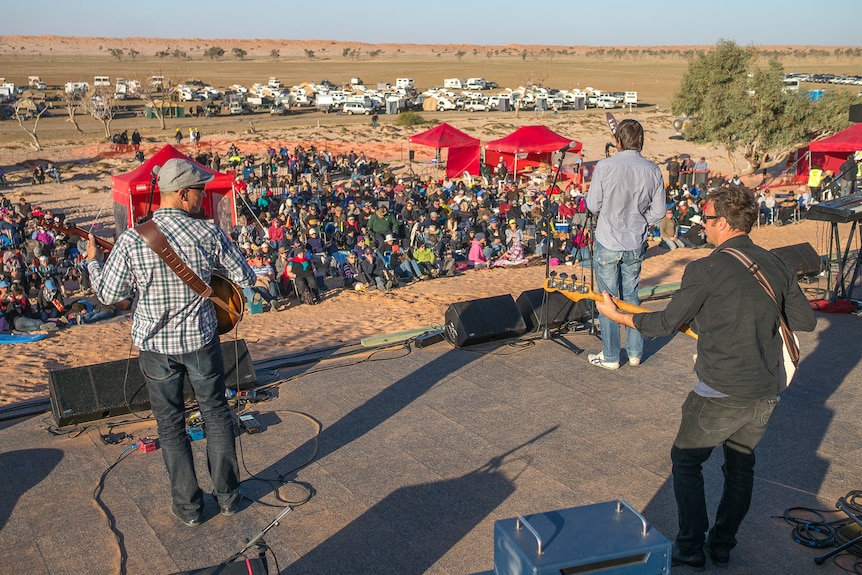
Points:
x=577 y=291
x=229 y=293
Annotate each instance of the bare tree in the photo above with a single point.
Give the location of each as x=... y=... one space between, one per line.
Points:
x=27 y=109
x=157 y=100
x=72 y=104
x=102 y=105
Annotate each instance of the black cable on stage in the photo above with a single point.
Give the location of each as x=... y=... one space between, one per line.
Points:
x=112 y=523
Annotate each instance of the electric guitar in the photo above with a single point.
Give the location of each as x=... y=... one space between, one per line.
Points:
x=577 y=291
x=227 y=298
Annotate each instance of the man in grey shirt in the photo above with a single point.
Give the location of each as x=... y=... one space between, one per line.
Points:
x=627 y=193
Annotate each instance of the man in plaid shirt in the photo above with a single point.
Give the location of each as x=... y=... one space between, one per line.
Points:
x=176 y=332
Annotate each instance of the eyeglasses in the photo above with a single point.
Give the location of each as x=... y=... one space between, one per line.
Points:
x=707 y=218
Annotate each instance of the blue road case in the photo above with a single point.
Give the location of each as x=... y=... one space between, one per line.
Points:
x=606 y=538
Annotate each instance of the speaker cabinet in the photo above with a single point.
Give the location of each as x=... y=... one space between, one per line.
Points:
x=112 y=388
x=801 y=257
x=481 y=320
x=560 y=309
x=856 y=113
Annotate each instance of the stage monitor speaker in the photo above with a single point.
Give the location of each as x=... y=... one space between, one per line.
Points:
x=802 y=258
x=856 y=113
x=412 y=154
x=92 y=392
x=560 y=309
x=481 y=320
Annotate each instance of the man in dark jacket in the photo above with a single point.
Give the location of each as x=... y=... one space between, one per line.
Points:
x=738 y=364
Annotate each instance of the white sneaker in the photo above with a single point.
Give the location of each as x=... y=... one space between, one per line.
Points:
x=634 y=361
x=599 y=360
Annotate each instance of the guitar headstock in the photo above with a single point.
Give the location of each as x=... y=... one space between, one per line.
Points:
x=570 y=287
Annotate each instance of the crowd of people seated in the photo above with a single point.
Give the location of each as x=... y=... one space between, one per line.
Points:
x=39 y=269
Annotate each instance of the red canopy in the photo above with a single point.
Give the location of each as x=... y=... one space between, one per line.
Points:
x=532 y=139
x=444 y=136
x=530 y=147
x=829 y=153
x=464 y=149
x=131 y=192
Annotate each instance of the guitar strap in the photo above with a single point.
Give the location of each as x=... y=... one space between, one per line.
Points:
x=157 y=242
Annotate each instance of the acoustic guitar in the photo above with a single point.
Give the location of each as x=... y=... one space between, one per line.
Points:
x=576 y=291
x=227 y=297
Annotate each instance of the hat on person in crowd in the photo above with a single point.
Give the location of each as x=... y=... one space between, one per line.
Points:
x=367 y=251
x=312 y=231
x=4 y=284
x=43 y=259
x=696 y=219
x=433 y=215
x=351 y=217
x=255 y=248
x=492 y=220
x=480 y=236
x=389 y=238
x=513 y=221
x=178 y=173
x=282 y=250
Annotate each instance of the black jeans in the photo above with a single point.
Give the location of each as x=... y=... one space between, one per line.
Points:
x=164 y=375
x=736 y=424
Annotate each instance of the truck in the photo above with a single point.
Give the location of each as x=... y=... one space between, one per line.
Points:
x=36 y=82
x=454 y=83
x=328 y=103
x=476 y=84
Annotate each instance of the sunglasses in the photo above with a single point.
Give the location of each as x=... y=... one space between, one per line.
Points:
x=707 y=218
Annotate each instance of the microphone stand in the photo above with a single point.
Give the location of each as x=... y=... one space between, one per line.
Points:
x=546 y=333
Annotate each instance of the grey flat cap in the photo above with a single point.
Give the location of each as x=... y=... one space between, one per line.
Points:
x=178 y=173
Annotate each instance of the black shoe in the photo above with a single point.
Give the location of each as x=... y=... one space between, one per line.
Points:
x=718 y=558
x=194 y=522
x=230 y=509
x=695 y=559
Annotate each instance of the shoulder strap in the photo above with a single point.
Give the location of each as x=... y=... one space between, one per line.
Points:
x=754 y=269
x=156 y=240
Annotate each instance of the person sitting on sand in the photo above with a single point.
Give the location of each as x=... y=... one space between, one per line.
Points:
x=477 y=257
x=514 y=256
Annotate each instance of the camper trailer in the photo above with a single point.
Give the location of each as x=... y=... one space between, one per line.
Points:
x=73 y=87
x=454 y=83
x=404 y=83
x=99 y=81
x=36 y=82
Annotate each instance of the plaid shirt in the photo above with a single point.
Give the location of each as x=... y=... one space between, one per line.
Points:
x=169 y=318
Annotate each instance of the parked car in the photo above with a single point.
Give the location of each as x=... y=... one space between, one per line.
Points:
x=606 y=102
x=476 y=106
x=351 y=108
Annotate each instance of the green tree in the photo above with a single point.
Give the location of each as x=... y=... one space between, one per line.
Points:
x=214 y=52
x=274 y=54
x=239 y=53
x=309 y=54
x=460 y=54
x=117 y=53
x=731 y=101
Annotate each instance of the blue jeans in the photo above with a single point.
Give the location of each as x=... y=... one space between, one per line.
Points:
x=738 y=425
x=618 y=273
x=409 y=268
x=164 y=375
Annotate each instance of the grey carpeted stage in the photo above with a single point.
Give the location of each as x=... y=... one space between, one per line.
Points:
x=422 y=450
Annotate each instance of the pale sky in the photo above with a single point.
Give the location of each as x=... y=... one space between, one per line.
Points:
x=483 y=22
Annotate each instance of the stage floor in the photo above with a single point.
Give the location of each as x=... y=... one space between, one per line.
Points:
x=422 y=450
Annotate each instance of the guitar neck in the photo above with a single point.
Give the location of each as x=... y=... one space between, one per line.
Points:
x=577 y=291
x=73 y=230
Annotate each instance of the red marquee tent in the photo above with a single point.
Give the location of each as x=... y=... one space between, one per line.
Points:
x=464 y=149
x=528 y=146
x=833 y=151
x=131 y=193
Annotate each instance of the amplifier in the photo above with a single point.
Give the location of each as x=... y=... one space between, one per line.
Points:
x=606 y=537
x=113 y=388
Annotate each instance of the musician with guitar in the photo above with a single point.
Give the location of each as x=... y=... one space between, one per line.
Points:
x=176 y=329
x=738 y=300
